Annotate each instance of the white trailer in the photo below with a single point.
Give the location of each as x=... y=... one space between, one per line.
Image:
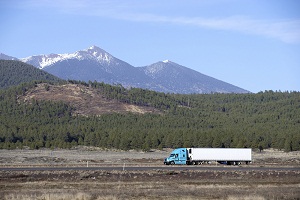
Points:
x=231 y=156
x=195 y=156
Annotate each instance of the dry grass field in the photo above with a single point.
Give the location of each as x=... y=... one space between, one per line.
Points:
x=152 y=184
x=96 y=156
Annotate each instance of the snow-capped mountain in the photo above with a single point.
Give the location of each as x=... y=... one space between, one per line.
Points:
x=168 y=76
x=96 y=64
x=93 y=53
x=90 y=64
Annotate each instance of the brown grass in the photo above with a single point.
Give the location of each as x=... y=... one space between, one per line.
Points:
x=157 y=184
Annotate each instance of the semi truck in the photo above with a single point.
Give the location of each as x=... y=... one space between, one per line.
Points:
x=195 y=156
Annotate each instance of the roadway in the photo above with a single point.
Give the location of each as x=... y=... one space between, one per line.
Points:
x=147 y=168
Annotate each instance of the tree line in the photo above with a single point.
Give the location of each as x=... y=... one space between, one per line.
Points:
x=264 y=120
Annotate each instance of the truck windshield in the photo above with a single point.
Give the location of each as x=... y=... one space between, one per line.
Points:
x=172 y=155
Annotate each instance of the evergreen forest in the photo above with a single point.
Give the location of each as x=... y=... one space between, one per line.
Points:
x=14 y=72
x=264 y=120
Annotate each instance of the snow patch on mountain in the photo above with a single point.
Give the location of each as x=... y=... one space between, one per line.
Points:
x=92 y=53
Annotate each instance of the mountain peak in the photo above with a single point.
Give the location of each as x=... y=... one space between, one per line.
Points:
x=169 y=62
x=94 y=47
x=99 y=54
x=95 y=51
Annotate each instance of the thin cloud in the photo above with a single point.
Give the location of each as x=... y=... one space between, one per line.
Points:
x=287 y=31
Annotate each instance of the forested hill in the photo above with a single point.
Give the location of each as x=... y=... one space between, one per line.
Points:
x=263 y=120
x=14 y=72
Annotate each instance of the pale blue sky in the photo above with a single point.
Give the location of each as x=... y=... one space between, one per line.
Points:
x=253 y=44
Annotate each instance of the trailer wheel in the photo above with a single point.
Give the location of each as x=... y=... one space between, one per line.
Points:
x=236 y=163
x=231 y=163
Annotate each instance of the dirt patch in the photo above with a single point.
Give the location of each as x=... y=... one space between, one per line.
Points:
x=276 y=157
x=87 y=101
x=80 y=155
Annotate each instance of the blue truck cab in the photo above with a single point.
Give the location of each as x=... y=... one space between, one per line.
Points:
x=178 y=157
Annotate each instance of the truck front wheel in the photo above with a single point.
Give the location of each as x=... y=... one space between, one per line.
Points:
x=172 y=163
